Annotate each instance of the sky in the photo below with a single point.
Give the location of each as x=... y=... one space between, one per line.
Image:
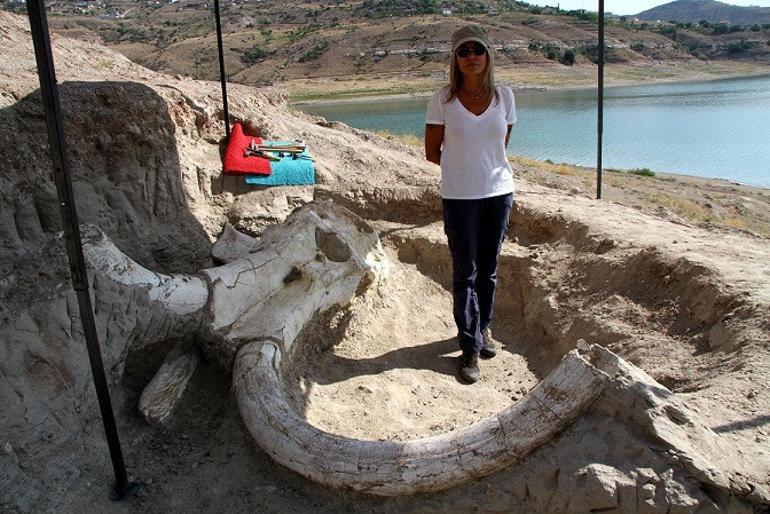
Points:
x=628 y=6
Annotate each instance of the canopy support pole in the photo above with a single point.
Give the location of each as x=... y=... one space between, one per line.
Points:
x=62 y=176
x=600 y=104
x=222 y=77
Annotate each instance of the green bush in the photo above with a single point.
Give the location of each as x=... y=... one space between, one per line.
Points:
x=668 y=30
x=470 y=7
x=737 y=47
x=549 y=51
x=253 y=55
x=644 y=172
x=386 y=8
x=552 y=54
x=584 y=15
x=720 y=28
x=314 y=53
x=569 y=57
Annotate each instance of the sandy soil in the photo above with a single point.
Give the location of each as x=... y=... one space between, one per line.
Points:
x=396 y=360
x=686 y=302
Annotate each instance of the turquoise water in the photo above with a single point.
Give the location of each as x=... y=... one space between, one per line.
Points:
x=716 y=129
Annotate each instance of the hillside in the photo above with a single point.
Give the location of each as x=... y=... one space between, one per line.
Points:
x=711 y=11
x=271 y=42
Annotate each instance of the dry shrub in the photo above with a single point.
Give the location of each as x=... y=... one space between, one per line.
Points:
x=407 y=139
x=735 y=222
x=560 y=169
x=684 y=207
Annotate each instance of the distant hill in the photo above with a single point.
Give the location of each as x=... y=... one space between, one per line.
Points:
x=693 y=11
x=275 y=41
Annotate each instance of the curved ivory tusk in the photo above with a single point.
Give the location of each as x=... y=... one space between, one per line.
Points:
x=179 y=294
x=404 y=467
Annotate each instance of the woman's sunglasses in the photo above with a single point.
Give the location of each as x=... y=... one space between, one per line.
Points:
x=465 y=51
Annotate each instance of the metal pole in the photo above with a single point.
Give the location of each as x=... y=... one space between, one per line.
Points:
x=222 y=68
x=62 y=177
x=600 y=104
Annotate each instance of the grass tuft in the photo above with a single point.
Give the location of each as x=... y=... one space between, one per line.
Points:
x=407 y=139
x=644 y=172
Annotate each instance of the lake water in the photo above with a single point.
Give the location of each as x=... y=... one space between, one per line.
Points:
x=717 y=129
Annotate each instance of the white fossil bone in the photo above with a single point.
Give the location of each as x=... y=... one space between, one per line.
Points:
x=392 y=467
x=164 y=392
x=177 y=294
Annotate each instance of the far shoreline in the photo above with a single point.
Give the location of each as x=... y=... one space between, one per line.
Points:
x=687 y=77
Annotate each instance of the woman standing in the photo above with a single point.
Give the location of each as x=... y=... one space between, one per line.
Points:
x=467 y=129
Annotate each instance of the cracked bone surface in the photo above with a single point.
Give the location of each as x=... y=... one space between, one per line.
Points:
x=176 y=294
x=390 y=468
x=321 y=256
x=584 y=381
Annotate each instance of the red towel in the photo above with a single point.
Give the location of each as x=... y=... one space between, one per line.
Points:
x=236 y=163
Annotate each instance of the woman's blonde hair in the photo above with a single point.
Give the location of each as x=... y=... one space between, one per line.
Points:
x=456 y=78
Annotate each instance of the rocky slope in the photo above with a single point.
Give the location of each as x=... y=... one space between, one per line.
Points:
x=271 y=41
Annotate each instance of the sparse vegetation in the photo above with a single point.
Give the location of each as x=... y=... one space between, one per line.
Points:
x=549 y=50
x=314 y=53
x=407 y=139
x=709 y=202
x=293 y=38
x=708 y=12
x=582 y=14
x=386 y=8
x=737 y=47
x=644 y=172
x=569 y=57
x=253 y=55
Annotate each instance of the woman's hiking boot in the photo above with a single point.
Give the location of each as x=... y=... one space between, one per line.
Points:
x=489 y=349
x=469 y=367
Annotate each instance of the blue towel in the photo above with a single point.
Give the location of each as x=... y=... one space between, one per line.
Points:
x=287 y=172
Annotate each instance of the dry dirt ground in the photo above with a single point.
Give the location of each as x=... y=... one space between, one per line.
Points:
x=687 y=303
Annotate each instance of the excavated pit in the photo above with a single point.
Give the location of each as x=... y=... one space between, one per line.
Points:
x=385 y=368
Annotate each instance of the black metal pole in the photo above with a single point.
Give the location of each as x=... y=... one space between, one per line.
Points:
x=600 y=104
x=62 y=177
x=222 y=68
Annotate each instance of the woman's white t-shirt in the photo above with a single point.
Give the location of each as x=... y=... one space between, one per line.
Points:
x=473 y=160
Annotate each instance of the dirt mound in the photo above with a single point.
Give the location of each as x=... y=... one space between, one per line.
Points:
x=686 y=305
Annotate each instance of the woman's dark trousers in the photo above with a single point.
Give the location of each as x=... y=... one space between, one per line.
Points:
x=475 y=231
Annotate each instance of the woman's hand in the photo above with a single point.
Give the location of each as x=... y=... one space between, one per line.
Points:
x=434 y=137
